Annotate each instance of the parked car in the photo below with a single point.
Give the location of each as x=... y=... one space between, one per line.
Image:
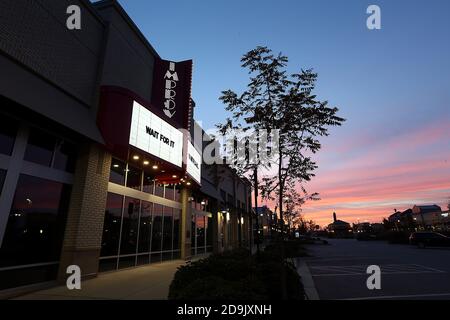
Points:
x=429 y=239
x=367 y=232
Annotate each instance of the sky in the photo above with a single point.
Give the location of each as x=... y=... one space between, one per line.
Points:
x=392 y=85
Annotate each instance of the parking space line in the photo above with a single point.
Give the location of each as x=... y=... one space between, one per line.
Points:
x=360 y=269
x=436 y=270
x=431 y=295
x=383 y=273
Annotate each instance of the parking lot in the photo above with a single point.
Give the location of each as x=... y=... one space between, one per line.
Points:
x=338 y=270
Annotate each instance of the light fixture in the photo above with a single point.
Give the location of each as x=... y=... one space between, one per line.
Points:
x=228 y=216
x=146 y=163
x=203 y=203
x=136 y=157
x=155 y=167
x=242 y=220
x=116 y=166
x=188 y=183
x=174 y=176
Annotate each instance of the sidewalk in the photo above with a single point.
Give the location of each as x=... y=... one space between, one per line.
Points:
x=149 y=282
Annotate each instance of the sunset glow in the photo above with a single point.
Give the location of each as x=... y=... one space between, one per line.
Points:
x=365 y=179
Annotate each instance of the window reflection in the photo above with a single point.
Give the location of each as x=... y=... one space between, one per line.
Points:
x=130 y=219
x=111 y=225
x=200 y=224
x=157 y=227
x=145 y=227
x=178 y=193
x=167 y=229
x=159 y=190
x=176 y=228
x=149 y=183
x=209 y=231
x=134 y=176
x=117 y=173
x=169 y=192
x=36 y=222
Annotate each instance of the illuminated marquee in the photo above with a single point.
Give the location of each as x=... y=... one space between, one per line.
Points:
x=194 y=162
x=153 y=135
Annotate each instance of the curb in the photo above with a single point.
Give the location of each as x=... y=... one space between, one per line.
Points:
x=307 y=279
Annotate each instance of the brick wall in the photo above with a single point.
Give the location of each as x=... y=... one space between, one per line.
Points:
x=84 y=228
x=34 y=32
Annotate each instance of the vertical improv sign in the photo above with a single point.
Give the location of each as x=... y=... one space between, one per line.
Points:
x=171 y=91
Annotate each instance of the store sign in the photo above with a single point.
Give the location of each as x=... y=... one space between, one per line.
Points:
x=194 y=163
x=172 y=90
x=152 y=134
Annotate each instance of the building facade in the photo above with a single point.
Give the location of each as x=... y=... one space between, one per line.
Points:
x=267 y=227
x=98 y=165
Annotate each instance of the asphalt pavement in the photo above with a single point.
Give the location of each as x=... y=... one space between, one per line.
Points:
x=339 y=271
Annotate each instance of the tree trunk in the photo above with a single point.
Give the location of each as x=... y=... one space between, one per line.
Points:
x=280 y=204
x=256 y=209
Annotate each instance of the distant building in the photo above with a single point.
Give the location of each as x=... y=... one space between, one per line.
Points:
x=267 y=223
x=401 y=220
x=430 y=217
x=339 y=228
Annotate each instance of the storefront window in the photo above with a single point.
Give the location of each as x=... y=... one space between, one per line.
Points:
x=193 y=235
x=149 y=183
x=130 y=220
x=169 y=192
x=8 y=132
x=111 y=225
x=157 y=227
x=200 y=224
x=159 y=190
x=167 y=229
x=178 y=193
x=209 y=231
x=134 y=176
x=65 y=156
x=117 y=172
x=176 y=228
x=40 y=147
x=36 y=223
x=145 y=227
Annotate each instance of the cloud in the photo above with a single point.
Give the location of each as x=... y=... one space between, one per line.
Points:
x=365 y=178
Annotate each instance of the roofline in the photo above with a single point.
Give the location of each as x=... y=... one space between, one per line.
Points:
x=116 y=5
x=90 y=6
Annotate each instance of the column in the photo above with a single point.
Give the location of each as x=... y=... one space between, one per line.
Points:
x=84 y=228
x=186 y=217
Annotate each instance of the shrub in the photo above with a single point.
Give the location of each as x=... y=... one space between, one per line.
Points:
x=292 y=249
x=235 y=275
